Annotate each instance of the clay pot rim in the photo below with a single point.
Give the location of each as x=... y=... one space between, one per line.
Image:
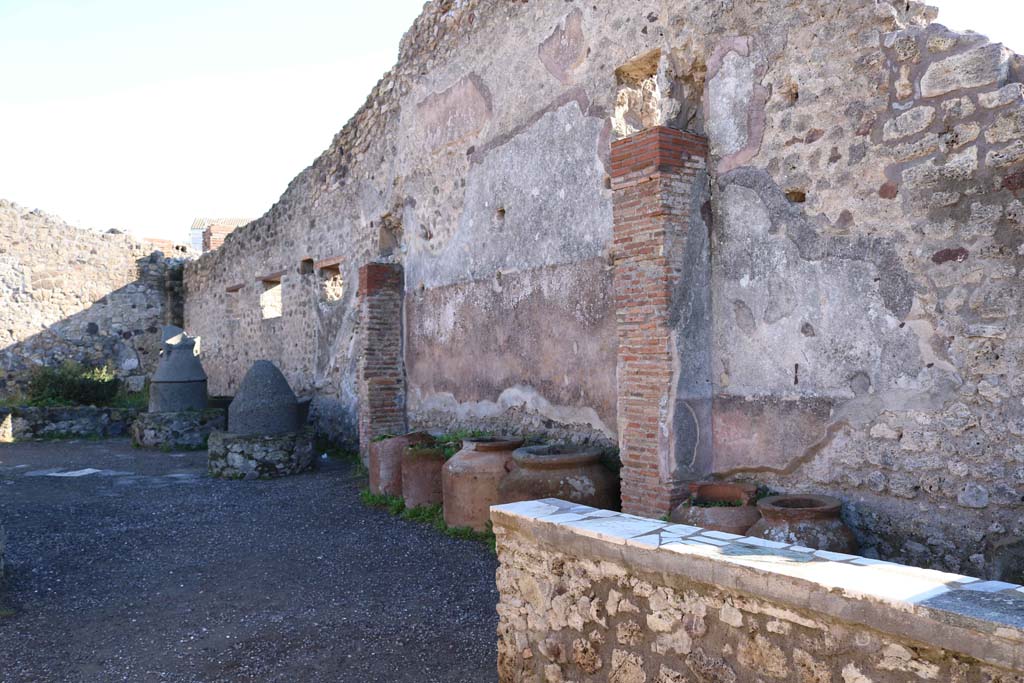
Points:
x=800 y=504
x=540 y=457
x=745 y=494
x=492 y=443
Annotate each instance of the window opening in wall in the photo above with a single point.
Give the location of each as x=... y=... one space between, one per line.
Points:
x=271 y=299
x=389 y=235
x=306 y=266
x=332 y=285
x=658 y=89
x=232 y=309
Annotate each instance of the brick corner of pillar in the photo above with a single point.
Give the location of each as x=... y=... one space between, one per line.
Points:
x=650 y=175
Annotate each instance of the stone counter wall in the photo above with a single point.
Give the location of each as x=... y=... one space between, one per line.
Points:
x=68 y=294
x=190 y=429
x=590 y=595
x=21 y=423
x=862 y=325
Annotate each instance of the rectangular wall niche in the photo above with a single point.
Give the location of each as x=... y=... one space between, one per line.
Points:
x=271 y=299
x=329 y=279
x=232 y=309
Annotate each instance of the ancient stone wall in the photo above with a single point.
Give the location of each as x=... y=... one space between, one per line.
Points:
x=852 y=324
x=23 y=423
x=866 y=281
x=68 y=294
x=587 y=595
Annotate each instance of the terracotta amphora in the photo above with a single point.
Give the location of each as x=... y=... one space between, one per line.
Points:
x=471 y=478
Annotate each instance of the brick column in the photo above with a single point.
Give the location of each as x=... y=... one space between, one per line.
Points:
x=381 y=369
x=652 y=177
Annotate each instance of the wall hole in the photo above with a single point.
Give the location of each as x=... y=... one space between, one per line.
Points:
x=232 y=305
x=332 y=284
x=271 y=298
x=390 y=233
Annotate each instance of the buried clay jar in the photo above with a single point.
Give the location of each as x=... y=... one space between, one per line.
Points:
x=805 y=519
x=386 y=461
x=471 y=479
x=561 y=471
x=421 y=475
x=719 y=506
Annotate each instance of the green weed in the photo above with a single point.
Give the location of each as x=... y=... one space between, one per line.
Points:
x=430 y=515
x=451 y=443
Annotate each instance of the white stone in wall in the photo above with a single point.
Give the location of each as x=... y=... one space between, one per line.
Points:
x=979 y=67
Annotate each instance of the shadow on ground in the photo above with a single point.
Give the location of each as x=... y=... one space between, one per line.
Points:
x=128 y=565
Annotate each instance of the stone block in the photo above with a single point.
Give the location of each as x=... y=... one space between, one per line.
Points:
x=1009 y=94
x=983 y=66
x=1007 y=128
x=909 y=123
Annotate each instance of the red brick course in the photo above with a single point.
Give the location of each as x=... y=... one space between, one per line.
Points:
x=381 y=371
x=652 y=177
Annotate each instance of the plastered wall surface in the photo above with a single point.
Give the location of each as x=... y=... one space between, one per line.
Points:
x=863 y=205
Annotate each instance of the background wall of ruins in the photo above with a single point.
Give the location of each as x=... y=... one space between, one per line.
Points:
x=68 y=294
x=862 y=327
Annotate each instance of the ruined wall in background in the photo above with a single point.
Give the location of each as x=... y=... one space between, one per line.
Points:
x=863 y=205
x=68 y=294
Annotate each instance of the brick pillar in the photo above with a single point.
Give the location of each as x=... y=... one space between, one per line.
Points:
x=381 y=369
x=652 y=177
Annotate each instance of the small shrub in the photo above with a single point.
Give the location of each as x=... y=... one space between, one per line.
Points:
x=451 y=443
x=700 y=503
x=393 y=504
x=72 y=384
x=132 y=400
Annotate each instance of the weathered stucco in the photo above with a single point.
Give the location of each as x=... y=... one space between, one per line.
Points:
x=852 y=324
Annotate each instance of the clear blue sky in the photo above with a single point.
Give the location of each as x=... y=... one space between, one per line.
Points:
x=143 y=115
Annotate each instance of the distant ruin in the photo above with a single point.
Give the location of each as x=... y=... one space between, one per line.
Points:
x=68 y=294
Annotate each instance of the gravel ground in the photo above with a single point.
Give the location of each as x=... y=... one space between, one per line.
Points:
x=148 y=570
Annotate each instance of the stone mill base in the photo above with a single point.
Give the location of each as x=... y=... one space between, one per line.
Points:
x=188 y=429
x=235 y=456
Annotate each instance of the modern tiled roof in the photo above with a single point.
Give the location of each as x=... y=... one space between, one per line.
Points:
x=203 y=223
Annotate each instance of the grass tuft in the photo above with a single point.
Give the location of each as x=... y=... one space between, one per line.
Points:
x=451 y=443
x=430 y=515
